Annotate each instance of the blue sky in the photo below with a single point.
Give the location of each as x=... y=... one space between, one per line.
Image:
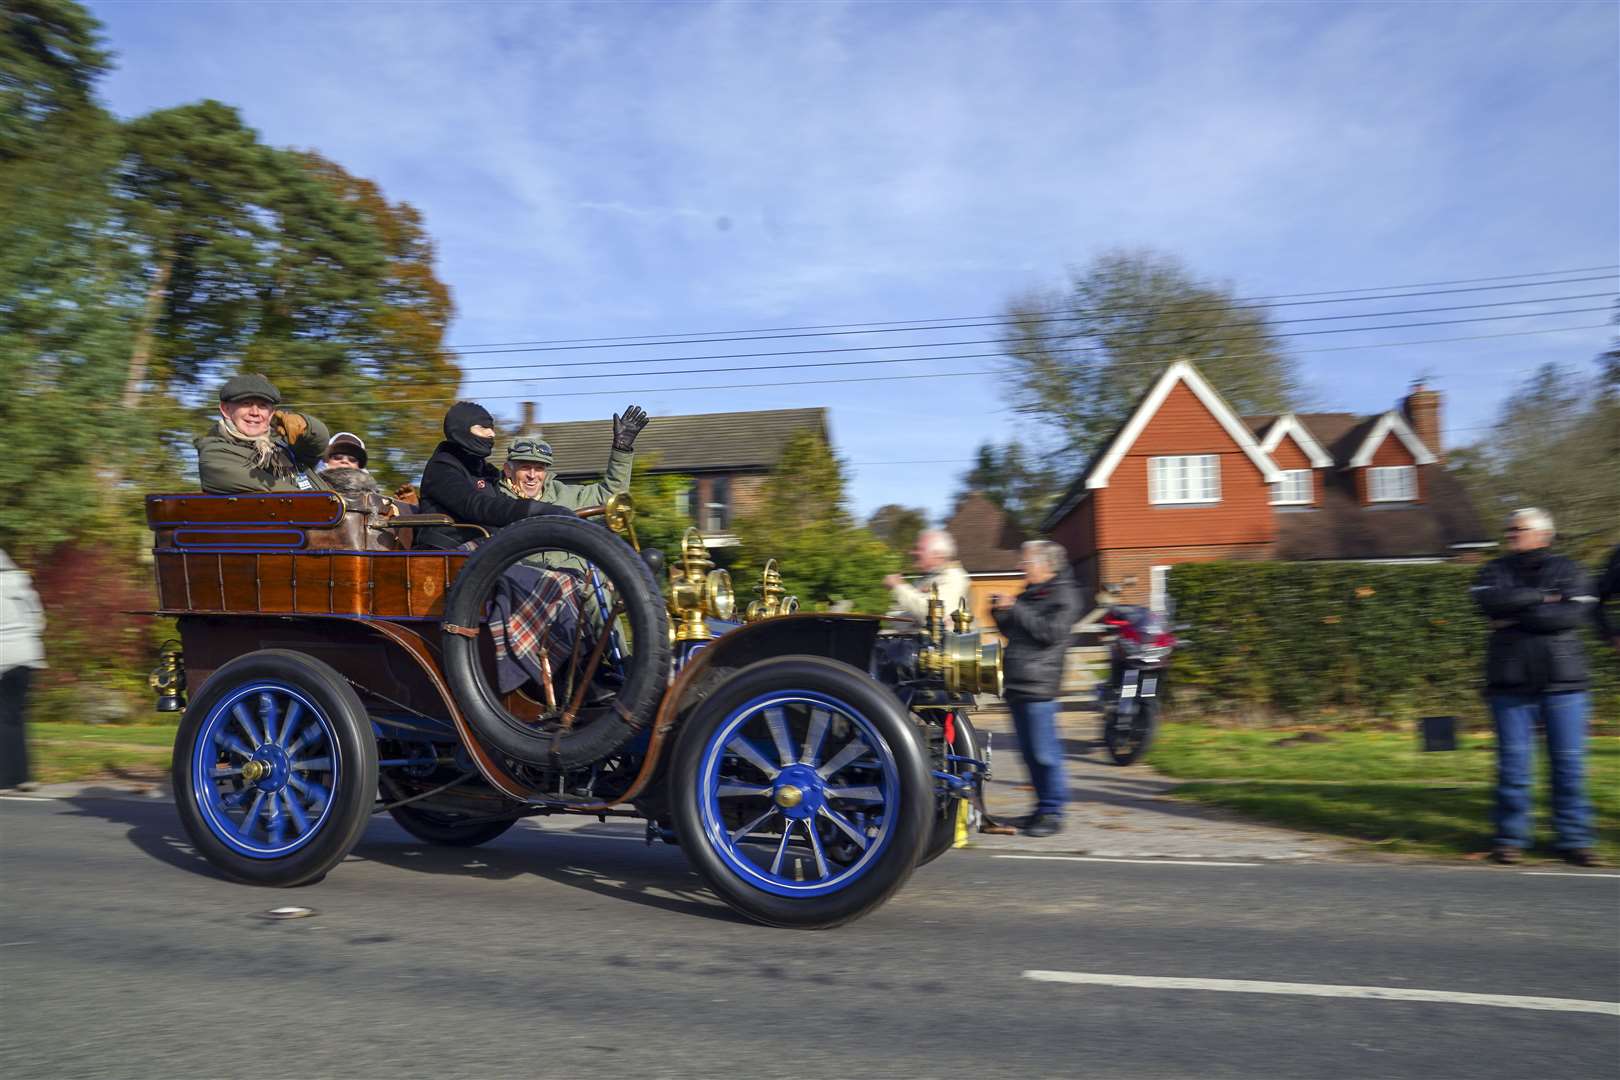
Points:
x=632 y=169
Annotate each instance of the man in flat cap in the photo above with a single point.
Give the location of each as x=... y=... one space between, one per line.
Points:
x=527 y=474
x=255 y=446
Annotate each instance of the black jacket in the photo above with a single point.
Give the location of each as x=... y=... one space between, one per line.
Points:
x=1535 y=645
x=1037 y=629
x=468 y=488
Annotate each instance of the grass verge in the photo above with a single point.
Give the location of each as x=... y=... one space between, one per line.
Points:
x=59 y=753
x=1372 y=785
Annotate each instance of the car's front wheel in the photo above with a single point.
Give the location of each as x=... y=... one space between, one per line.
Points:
x=801 y=792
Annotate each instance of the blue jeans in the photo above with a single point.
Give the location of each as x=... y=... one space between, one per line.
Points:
x=1036 y=724
x=1563 y=716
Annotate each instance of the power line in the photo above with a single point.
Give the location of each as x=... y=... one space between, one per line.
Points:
x=906 y=325
x=1135 y=332
x=946 y=375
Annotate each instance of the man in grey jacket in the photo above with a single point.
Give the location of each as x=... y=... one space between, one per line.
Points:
x=22 y=622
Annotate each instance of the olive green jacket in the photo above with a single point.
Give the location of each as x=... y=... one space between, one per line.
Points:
x=578 y=496
x=225 y=464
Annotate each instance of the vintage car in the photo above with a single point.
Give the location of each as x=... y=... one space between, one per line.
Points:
x=804 y=762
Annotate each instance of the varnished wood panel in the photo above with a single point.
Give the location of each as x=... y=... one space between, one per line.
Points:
x=317 y=508
x=312 y=583
x=351 y=584
x=171 y=577
x=275 y=582
x=388 y=578
x=207 y=591
x=425 y=594
x=239 y=578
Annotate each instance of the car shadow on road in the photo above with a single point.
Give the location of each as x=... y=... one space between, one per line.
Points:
x=606 y=866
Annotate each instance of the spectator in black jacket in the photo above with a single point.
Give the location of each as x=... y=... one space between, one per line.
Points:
x=1535 y=673
x=1037 y=626
x=460 y=481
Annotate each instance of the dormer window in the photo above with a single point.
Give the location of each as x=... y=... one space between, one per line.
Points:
x=1393 y=483
x=1294 y=489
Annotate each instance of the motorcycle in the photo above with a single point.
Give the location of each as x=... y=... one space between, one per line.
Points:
x=1139 y=660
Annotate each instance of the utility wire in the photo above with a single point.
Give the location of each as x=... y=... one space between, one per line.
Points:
x=1133 y=332
x=937 y=375
x=907 y=325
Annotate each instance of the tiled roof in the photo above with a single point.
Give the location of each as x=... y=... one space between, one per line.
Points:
x=986 y=542
x=1344 y=529
x=708 y=442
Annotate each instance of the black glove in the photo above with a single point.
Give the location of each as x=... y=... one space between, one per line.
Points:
x=627 y=427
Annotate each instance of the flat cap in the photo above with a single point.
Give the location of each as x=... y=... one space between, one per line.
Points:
x=248 y=385
x=527 y=448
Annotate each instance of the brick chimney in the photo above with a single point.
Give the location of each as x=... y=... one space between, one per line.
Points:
x=1422 y=409
x=528 y=417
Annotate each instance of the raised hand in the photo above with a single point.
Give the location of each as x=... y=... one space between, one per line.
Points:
x=627 y=426
x=290 y=426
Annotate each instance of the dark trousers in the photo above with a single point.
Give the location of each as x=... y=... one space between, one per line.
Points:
x=13 y=736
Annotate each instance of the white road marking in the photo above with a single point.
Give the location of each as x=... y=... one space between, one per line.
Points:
x=1563 y=873
x=1377 y=993
x=24 y=798
x=1139 y=862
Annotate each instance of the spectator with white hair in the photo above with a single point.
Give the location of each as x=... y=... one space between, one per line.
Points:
x=934 y=554
x=1535 y=674
x=1037 y=625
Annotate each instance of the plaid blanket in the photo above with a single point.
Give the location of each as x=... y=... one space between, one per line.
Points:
x=534 y=607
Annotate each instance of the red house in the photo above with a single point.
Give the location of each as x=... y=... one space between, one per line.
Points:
x=1186 y=479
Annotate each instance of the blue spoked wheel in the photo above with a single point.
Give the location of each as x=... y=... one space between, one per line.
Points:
x=275 y=768
x=801 y=792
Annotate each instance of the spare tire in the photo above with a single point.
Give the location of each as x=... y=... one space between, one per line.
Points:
x=600 y=729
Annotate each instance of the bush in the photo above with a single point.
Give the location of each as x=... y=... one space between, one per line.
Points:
x=1343 y=642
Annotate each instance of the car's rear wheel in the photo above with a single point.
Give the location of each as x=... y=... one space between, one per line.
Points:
x=275 y=768
x=801 y=792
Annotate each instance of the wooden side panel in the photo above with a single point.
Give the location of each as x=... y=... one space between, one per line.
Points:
x=171 y=580
x=207 y=592
x=312 y=584
x=425 y=591
x=389 y=578
x=239 y=577
x=351 y=584
x=275 y=575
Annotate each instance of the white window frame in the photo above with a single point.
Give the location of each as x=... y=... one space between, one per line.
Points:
x=1279 y=491
x=1159 y=587
x=1392 y=483
x=1184 y=479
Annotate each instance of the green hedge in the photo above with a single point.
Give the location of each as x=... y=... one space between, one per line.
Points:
x=1342 y=641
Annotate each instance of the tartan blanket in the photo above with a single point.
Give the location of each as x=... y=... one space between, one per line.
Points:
x=533 y=608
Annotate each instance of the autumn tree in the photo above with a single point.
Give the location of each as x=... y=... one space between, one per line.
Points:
x=1080 y=357
x=897 y=526
x=802 y=521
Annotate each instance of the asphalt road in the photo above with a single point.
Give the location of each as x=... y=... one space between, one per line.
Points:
x=548 y=954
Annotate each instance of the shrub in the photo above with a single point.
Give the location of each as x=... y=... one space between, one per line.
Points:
x=1343 y=641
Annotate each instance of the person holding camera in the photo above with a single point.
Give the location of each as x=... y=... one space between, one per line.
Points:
x=1037 y=624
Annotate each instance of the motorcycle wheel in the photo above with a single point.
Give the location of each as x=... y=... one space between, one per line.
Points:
x=1128 y=740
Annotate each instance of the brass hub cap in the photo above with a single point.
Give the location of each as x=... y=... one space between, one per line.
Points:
x=255 y=770
x=788 y=796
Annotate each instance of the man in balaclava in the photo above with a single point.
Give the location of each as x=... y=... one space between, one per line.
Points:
x=460 y=481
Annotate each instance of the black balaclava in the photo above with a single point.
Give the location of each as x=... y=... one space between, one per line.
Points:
x=459 y=422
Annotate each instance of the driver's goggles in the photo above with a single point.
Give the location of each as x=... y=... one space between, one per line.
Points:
x=530 y=450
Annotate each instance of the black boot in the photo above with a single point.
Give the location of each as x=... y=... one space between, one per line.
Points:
x=1043 y=825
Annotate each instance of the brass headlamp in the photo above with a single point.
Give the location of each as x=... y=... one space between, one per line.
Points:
x=697 y=590
x=963 y=662
x=168 y=679
x=772 y=599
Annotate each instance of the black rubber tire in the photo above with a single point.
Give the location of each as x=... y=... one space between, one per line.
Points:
x=644 y=610
x=351 y=805
x=943 y=834
x=913 y=819
x=1127 y=748
x=446 y=830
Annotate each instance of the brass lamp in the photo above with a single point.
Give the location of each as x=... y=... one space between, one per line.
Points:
x=697 y=589
x=168 y=679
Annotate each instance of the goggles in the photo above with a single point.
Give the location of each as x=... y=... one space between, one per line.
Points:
x=530 y=450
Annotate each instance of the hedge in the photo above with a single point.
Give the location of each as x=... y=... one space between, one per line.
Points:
x=1342 y=641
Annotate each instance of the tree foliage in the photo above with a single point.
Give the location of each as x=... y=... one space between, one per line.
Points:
x=801 y=520
x=1080 y=357
x=1012 y=477
x=1555 y=444
x=897 y=526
